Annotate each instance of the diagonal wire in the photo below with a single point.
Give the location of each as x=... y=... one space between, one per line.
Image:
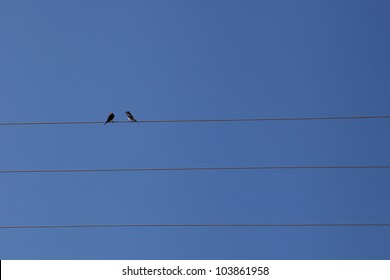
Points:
x=197 y=225
x=201 y=120
x=275 y=167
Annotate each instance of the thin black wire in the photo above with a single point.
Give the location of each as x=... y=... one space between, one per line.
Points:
x=196 y=225
x=199 y=168
x=201 y=120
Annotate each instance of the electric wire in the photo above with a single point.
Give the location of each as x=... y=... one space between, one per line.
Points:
x=275 y=167
x=196 y=225
x=200 y=120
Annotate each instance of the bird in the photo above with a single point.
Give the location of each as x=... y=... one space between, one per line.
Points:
x=110 y=118
x=130 y=117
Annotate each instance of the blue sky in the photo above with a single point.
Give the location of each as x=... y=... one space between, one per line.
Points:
x=80 y=60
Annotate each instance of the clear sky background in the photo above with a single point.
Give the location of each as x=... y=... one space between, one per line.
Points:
x=175 y=59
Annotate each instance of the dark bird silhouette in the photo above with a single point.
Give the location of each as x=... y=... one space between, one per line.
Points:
x=110 y=118
x=130 y=117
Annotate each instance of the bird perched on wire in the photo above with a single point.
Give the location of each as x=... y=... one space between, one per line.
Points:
x=111 y=116
x=130 y=117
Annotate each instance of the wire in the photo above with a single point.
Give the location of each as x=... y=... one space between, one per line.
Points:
x=201 y=120
x=196 y=225
x=199 y=168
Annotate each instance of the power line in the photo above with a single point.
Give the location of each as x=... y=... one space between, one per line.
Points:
x=276 y=167
x=200 y=120
x=196 y=225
